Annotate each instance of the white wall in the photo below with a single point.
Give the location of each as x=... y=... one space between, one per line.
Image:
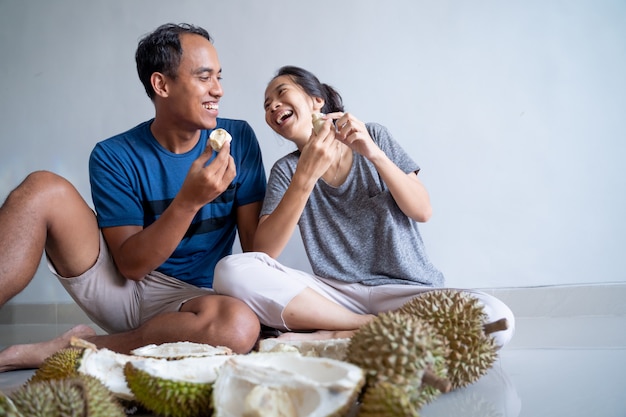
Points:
x=515 y=110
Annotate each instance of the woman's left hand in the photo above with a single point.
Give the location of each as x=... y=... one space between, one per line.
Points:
x=353 y=133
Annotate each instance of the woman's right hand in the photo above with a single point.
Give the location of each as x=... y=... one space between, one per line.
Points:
x=320 y=151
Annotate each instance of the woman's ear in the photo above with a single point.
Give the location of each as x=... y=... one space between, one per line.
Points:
x=318 y=104
x=159 y=84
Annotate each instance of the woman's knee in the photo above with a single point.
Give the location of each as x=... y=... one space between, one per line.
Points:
x=232 y=273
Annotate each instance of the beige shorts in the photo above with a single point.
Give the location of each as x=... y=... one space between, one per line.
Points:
x=117 y=304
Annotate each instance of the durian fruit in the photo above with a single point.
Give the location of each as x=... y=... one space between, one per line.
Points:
x=318 y=122
x=177 y=388
x=78 y=396
x=459 y=318
x=385 y=399
x=179 y=350
x=103 y=364
x=62 y=364
x=404 y=351
x=328 y=348
x=218 y=138
x=7 y=408
x=268 y=401
x=286 y=384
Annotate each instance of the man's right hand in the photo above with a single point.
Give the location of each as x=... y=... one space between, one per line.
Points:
x=204 y=183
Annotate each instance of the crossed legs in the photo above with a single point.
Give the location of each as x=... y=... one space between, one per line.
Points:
x=47 y=213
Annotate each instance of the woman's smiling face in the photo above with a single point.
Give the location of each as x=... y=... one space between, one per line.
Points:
x=288 y=109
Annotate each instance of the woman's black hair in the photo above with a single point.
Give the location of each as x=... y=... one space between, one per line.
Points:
x=161 y=51
x=313 y=87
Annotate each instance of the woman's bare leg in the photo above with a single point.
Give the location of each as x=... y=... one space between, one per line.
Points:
x=310 y=310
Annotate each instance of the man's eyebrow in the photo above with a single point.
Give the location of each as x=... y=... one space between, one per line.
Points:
x=210 y=70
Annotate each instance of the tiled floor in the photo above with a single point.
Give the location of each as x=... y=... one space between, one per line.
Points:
x=567 y=358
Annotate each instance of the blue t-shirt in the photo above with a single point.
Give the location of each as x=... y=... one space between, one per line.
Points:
x=134 y=179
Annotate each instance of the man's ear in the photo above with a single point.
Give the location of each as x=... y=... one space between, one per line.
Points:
x=159 y=84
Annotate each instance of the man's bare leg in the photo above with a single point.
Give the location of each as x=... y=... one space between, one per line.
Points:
x=32 y=355
x=309 y=310
x=44 y=212
x=211 y=319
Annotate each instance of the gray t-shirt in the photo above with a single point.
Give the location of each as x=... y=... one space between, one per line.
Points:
x=356 y=232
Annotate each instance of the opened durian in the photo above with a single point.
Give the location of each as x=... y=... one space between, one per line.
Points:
x=459 y=318
x=78 y=396
x=329 y=348
x=103 y=364
x=286 y=384
x=404 y=351
x=179 y=350
x=178 y=388
x=384 y=399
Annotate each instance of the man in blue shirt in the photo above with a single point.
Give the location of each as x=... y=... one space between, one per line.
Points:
x=168 y=208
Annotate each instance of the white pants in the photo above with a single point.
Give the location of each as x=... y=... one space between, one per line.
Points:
x=267 y=287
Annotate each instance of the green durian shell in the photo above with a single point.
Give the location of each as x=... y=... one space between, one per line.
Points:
x=399 y=349
x=7 y=408
x=60 y=365
x=169 y=398
x=459 y=318
x=80 y=396
x=385 y=399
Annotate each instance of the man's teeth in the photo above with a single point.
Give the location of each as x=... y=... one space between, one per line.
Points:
x=210 y=106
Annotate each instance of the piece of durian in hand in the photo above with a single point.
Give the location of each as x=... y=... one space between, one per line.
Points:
x=404 y=351
x=460 y=319
x=318 y=122
x=218 y=138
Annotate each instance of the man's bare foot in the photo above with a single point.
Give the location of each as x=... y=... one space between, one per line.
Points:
x=28 y=356
x=318 y=335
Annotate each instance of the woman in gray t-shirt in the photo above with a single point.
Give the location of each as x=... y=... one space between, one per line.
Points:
x=355 y=196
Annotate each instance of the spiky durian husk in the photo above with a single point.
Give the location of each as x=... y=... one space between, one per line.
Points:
x=7 y=408
x=36 y=399
x=384 y=399
x=60 y=365
x=79 y=396
x=458 y=317
x=169 y=397
x=399 y=349
x=101 y=401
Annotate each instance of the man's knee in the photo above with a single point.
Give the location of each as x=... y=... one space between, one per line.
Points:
x=38 y=185
x=227 y=321
x=242 y=324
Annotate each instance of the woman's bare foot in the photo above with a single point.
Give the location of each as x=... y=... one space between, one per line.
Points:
x=318 y=335
x=32 y=355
